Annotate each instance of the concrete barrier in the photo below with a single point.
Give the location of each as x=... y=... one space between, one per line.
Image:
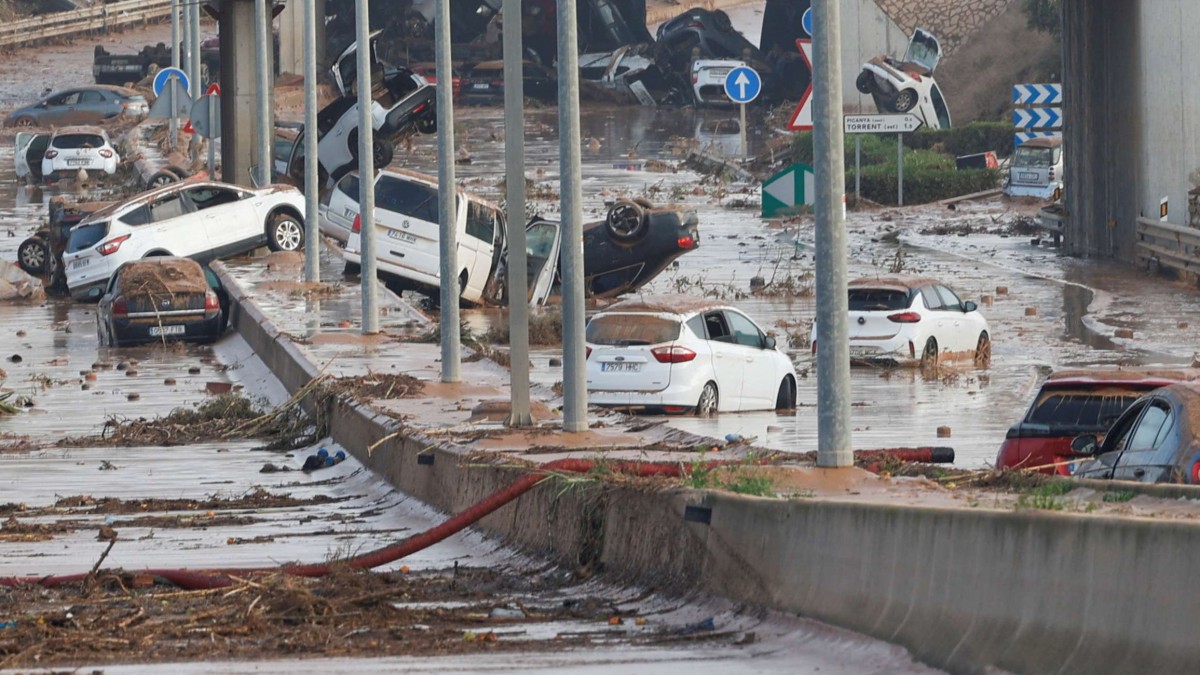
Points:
x=969 y=590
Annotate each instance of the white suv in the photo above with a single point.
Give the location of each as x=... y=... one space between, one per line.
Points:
x=202 y=220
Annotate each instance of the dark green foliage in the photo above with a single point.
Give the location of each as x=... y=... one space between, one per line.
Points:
x=1043 y=15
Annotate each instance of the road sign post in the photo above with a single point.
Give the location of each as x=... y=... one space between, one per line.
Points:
x=881 y=124
x=743 y=85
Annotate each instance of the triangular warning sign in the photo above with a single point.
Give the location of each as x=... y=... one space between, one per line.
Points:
x=802 y=118
x=187 y=128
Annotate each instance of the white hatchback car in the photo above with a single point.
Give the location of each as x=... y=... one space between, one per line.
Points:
x=913 y=320
x=907 y=85
x=64 y=152
x=679 y=354
x=202 y=220
x=708 y=80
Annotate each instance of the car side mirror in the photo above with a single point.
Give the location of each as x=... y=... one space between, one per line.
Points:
x=969 y=306
x=769 y=342
x=1084 y=445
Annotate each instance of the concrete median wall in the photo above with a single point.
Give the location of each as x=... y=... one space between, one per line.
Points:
x=969 y=590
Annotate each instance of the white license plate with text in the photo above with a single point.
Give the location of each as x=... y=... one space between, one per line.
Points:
x=621 y=367
x=158 y=331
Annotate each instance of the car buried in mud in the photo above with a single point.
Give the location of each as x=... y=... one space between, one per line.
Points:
x=1156 y=440
x=623 y=252
x=84 y=105
x=160 y=299
x=65 y=152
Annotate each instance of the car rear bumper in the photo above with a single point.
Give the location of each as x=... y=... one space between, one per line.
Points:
x=898 y=350
x=646 y=401
x=128 y=332
x=1039 y=191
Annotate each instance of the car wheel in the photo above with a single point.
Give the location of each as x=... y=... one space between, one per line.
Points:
x=626 y=221
x=929 y=356
x=865 y=82
x=709 y=397
x=983 y=351
x=161 y=178
x=24 y=122
x=381 y=154
x=32 y=255
x=905 y=101
x=721 y=21
x=285 y=232
x=427 y=124
x=786 y=398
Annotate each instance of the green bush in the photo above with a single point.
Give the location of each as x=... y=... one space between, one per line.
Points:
x=966 y=140
x=922 y=184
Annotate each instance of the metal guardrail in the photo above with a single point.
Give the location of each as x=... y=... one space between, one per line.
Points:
x=98 y=18
x=1173 y=246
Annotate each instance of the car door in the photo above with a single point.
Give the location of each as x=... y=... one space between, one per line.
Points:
x=936 y=315
x=1149 y=450
x=727 y=360
x=543 y=239
x=476 y=248
x=759 y=385
x=62 y=110
x=345 y=70
x=94 y=106
x=952 y=322
x=29 y=149
x=171 y=227
x=228 y=219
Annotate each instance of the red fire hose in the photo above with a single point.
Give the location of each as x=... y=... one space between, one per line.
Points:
x=220 y=578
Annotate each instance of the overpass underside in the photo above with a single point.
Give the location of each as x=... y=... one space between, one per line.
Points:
x=1131 y=111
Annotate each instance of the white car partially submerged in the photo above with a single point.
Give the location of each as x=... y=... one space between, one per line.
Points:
x=907 y=85
x=64 y=153
x=1036 y=168
x=682 y=354
x=202 y=220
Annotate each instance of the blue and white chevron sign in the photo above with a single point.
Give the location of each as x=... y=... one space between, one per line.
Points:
x=1037 y=94
x=1020 y=137
x=1037 y=118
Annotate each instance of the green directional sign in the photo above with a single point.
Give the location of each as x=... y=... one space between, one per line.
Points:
x=788 y=189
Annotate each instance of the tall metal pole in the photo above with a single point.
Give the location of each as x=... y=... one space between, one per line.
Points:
x=173 y=125
x=833 y=353
x=366 y=168
x=312 y=267
x=262 y=47
x=185 y=40
x=742 y=127
x=574 y=378
x=193 y=17
x=899 y=169
x=447 y=192
x=857 y=169
x=514 y=172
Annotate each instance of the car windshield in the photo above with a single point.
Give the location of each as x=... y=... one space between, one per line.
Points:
x=1037 y=158
x=622 y=330
x=924 y=50
x=87 y=235
x=73 y=141
x=877 y=299
x=1091 y=410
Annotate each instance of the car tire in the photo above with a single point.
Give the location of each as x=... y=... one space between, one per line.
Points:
x=24 y=122
x=162 y=177
x=626 y=221
x=33 y=256
x=786 y=398
x=865 y=83
x=382 y=154
x=905 y=100
x=285 y=232
x=721 y=21
x=706 y=405
x=427 y=124
x=983 y=351
x=929 y=355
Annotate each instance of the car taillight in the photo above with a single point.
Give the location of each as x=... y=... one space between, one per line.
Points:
x=106 y=153
x=418 y=109
x=119 y=308
x=112 y=245
x=687 y=242
x=814 y=347
x=905 y=317
x=587 y=353
x=695 y=77
x=915 y=76
x=50 y=154
x=695 y=24
x=497 y=83
x=211 y=303
x=357 y=226
x=673 y=354
x=1196 y=472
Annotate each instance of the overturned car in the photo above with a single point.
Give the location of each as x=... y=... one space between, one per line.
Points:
x=907 y=85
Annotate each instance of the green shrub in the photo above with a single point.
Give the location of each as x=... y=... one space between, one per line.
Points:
x=966 y=140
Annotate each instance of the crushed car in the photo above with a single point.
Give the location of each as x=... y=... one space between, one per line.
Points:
x=160 y=299
x=40 y=254
x=906 y=85
x=63 y=153
x=622 y=253
x=402 y=103
x=1156 y=440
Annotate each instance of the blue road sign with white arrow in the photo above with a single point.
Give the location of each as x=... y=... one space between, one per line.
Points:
x=160 y=80
x=806 y=22
x=742 y=84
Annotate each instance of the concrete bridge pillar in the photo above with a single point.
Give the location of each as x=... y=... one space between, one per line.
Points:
x=239 y=88
x=291 y=37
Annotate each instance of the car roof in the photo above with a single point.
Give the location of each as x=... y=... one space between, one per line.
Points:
x=81 y=129
x=143 y=198
x=671 y=303
x=897 y=282
x=1134 y=377
x=424 y=179
x=1044 y=142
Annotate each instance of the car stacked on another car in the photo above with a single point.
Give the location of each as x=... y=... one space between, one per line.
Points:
x=903 y=319
x=1075 y=402
x=160 y=299
x=85 y=105
x=1156 y=440
x=907 y=85
x=679 y=354
x=197 y=219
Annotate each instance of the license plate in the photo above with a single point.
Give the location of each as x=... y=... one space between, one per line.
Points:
x=402 y=236
x=158 y=331
x=621 y=367
x=1027 y=176
x=484 y=86
x=82 y=262
x=78 y=162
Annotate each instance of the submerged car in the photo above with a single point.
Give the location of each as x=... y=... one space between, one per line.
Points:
x=907 y=85
x=1156 y=440
x=1071 y=403
x=199 y=219
x=160 y=299
x=403 y=103
x=484 y=82
x=909 y=320
x=1036 y=168
x=85 y=105
x=73 y=149
x=681 y=354
x=621 y=253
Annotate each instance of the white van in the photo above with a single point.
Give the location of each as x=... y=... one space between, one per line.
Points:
x=1036 y=168
x=407 y=249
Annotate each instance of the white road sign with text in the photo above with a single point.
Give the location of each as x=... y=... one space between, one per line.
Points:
x=882 y=124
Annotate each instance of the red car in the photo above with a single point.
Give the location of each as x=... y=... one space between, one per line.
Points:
x=1071 y=403
x=429 y=72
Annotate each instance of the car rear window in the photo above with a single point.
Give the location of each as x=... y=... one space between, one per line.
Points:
x=409 y=198
x=877 y=299
x=1033 y=157
x=87 y=235
x=1081 y=410
x=73 y=141
x=623 y=330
